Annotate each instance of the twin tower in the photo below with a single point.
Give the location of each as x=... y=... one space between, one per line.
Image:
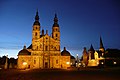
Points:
x=36 y=29
x=44 y=51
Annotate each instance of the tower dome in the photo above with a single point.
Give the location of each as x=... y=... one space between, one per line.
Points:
x=55 y=21
x=36 y=19
x=65 y=52
x=24 y=51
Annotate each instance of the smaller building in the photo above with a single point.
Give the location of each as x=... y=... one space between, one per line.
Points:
x=93 y=57
x=65 y=54
x=85 y=57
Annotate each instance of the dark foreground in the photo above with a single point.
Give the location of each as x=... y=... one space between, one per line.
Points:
x=82 y=74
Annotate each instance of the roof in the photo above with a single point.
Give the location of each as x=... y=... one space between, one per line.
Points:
x=91 y=48
x=65 y=52
x=30 y=47
x=24 y=51
x=72 y=57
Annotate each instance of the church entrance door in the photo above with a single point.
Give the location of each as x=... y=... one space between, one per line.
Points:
x=46 y=64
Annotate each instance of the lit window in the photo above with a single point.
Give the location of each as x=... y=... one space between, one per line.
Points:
x=24 y=63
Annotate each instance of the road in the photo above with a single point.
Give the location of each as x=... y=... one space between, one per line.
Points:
x=48 y=74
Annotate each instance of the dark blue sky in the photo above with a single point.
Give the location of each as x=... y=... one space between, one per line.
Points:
x=81 y=23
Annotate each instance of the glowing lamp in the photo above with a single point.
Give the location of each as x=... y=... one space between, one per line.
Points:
x=97 y=62
x=24 y=63
x=102 y=63
x=67 y=62
x=77 y=54
x=114 y=62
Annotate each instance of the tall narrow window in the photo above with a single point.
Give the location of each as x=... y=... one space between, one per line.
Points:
x=36 y=28
x=36 y=34
x=34 y=61
x=56 y=61
x=56 y=35
x=37 y=47
x=56 y=29
x=46 y=48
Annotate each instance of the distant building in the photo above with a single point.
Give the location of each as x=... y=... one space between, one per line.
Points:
x=85 y=57
x=93 y=57
x=44 y=52
x=7 y=63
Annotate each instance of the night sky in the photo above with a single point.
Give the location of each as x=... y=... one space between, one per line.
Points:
x=81 y=22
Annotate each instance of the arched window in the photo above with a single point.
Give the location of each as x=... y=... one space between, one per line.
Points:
x=56 y=35
x=46 y=48
x=56 y=29
x=36 y=28
x=36 y=34
x=56 y=61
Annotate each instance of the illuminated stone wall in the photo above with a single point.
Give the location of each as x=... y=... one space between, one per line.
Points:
x=24 y=62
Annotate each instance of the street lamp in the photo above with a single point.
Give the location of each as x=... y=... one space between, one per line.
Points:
x=77 y=61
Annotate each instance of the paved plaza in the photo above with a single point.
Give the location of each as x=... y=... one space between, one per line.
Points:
x=49 y=74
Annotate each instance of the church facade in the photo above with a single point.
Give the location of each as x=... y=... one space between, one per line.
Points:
x=44 y=52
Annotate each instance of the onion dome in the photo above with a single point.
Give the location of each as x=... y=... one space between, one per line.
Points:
x=65 y=52
x=36 y=19
x=55 y=21
x=24 y=51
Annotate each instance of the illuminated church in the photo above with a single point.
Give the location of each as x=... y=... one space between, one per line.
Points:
x=93 y=57
x=44 y=52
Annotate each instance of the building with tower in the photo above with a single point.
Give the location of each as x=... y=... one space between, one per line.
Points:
x=44 y=52
x=92 y=57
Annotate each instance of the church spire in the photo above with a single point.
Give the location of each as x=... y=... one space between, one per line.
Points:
x=56 y=29
x=91 y=48
x=55 y=21
x=55 y=18
x=101 y=45
x=36 y=19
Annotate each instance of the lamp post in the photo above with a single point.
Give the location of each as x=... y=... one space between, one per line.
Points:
x=77 y=61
